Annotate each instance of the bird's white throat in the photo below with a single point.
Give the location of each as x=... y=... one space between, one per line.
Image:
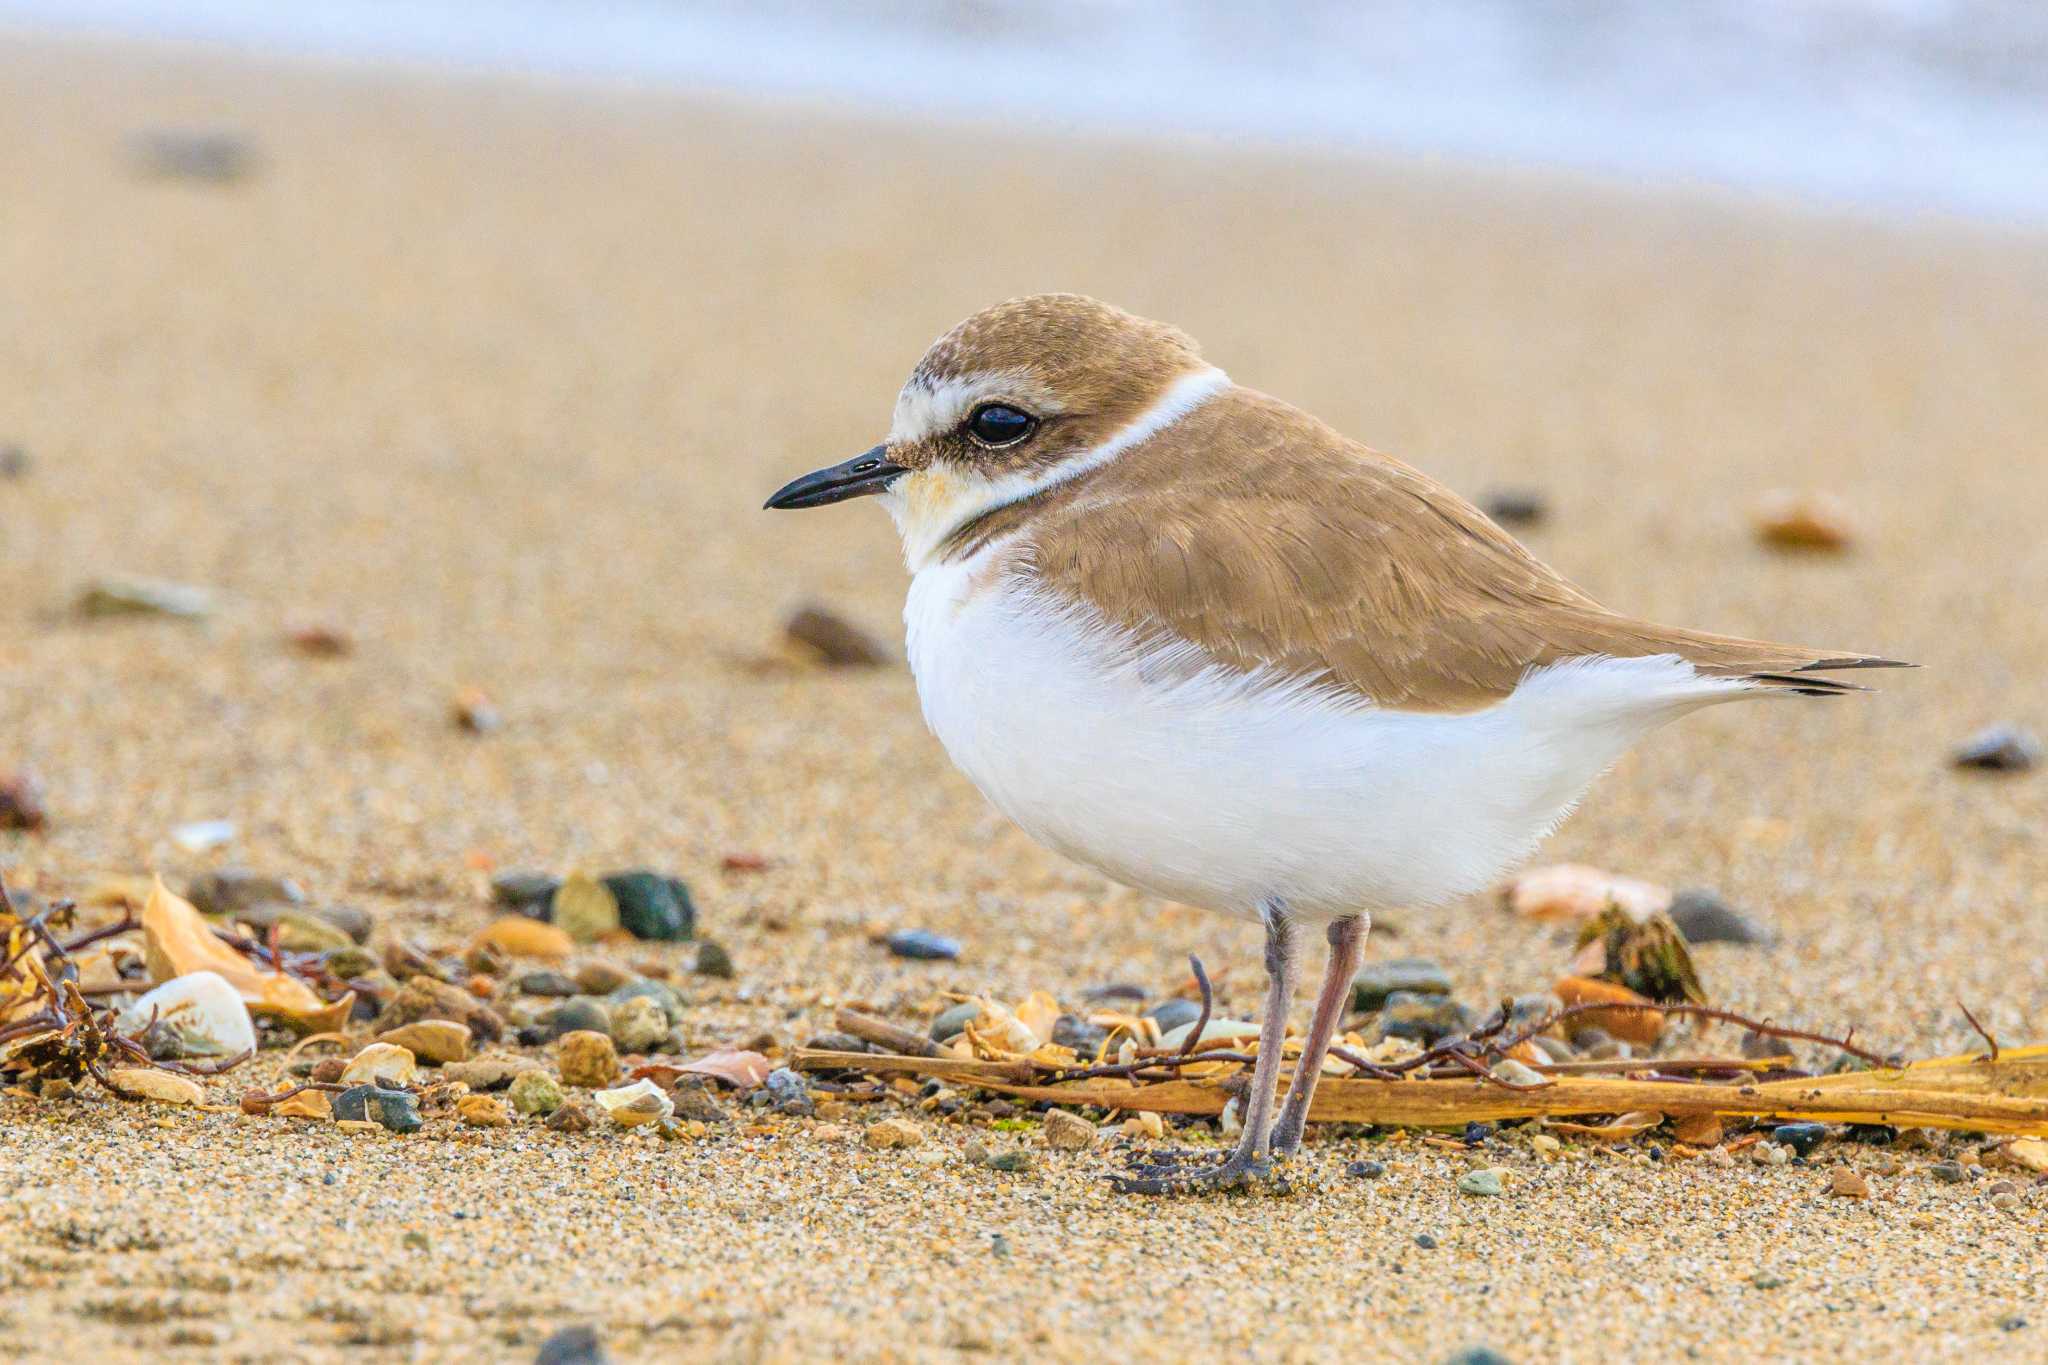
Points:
x=930 y=504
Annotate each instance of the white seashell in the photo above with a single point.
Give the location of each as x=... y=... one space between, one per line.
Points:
x=382 y=1064
x=1217 y=1030
x=203 y=1012
x=640 y=1102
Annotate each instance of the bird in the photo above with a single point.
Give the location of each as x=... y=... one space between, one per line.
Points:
x=1191 y=637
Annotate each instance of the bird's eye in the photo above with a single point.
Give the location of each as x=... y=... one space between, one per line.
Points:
x=998 y=424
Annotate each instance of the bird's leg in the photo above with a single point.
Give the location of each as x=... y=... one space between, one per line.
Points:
x=1247 y=1164
x=1347 y=949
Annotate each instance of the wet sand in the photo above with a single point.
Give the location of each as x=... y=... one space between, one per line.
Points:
x=496 y=376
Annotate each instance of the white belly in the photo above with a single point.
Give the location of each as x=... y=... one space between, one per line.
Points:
x=1216 y=790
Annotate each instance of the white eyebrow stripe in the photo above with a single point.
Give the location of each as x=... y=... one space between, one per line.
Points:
x=925 y=409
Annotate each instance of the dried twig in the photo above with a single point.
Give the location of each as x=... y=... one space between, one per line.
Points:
x=1194 y=1037
x=1982 y=1032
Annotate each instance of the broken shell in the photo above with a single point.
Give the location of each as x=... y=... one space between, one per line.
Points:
x=631 y=1105
x=201 y=1011
x=307 y=1104
x=1573 y=891
x=176 y=941
x=141 y=1082
x=385 y=1064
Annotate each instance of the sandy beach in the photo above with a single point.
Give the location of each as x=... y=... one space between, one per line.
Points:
x=496 y=375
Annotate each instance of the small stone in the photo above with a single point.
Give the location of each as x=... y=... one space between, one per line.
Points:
x=474 y=711
x=1014 y=1161
x=587 y=1058
x=14 y=462
x=487 y=1073
x=1788 y=520
x=652 y=906
x=578 y=1345
x=923 y=945
x=1365 y=1170
x=788 y=1093
x=695 y=1100
x=214 y=155
x=892 y=1133
x=1998 y=1187
x=1699 y=1130
x=148 y=1083
x=584 y=908
x=1072 y=1031
x=519 y=936
x=573 y=1117
x=832 y=639
x=2011 y=1322
x=1767 y=1279
x=1872 y=1134
x=535 y=1092
x=381 y=1064
x=1514 y=506
x=527 y=892
x=954 y=1019
x=1999 y=749
x=1174 y=1012
x=546 y=983
x=601 y=978
x=436 y=1042
x=1703 y=917
x=1481 y=1182
x=1414 y=975
x=639 y=1024
x=660 y=992
x=129 y=595
x=425 y=998
x=1517 y=1073
x=1422 y=1018
x=482 y=1111
x=578 y=1014
x=2006 y=1202
x=235 y=891
x=21 y=802
x=1802 y=1138
x=1844 y=1183
x=1145 y=1124
x=397 y=1110
x=1543 y=1144
x=1068 y=1132
x=1476 y=1355
x=1949 y=1172
x=714 y=961
x=1425 y=1241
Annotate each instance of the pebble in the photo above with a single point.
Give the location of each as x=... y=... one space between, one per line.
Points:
x=1789 y=520
x=1514 y=506
x=578 y=1014
x=583 y=908
x=923 y=945
x=1699 y=1130
x=397 y=1110
x=1072 y=1031
x=1949 y=1172
x=527 y=892
x=602 y=978
x=129 y=595
x=14 y=461
x=1999 y=749
x=1703 y=917
x=236 y=891
x=1477 y=1355
x=1481 y=1182
x=519 y=936
x=436 y=1042
x=1802 y=1138
x=587 y=1058
x=832 y=639
x=1543 y=1144
x=1174 y=1012
x=165 y=1087
x=1015 y=1161
x=483 y=1111
x=21 y=802
x=660 y=992
x=1422 y=1018
x=2006 y=1202
x=1425 y=1241
x=487 y=1073
x=696 y=1100
x=1213 y=1031
x=789 y=1093
x=1068 y=1132
x=425 y=998
x=547 y=983
x=652 y=906
x=578 y=1345
x=572 y=1117
x=1365 y=1170
x=1516 y=1073
x=535 y=1092
x=475 y=712
x=714 y=961
x=1767 y=1279
x=1413 y=975
x=639 y=1024
x=892 y=1133
x=215 y=155
x=381 y=1064
x=1847 y=1184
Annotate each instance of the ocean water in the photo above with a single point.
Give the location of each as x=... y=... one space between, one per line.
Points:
x=1894 y=107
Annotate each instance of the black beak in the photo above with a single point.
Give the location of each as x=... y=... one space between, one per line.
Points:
x=863 y=474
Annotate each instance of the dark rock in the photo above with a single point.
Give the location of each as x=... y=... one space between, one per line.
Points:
x=405 y=960
x=1425 y=1241
x=573 y=1116
x=1366 y=1170
x=696 y=1098
x=1703 y=917
x=425 y=998
x=788 y=1094
x=546 y=981
x=1477 y=1133
x=1514 y=506
x=241 y=893
x=14 y=462
x=660 y=992
x=924 y=945
x=1122 y=992
x=1013 y=1161
x=1802 y=1138
x=1378 y=980
x=835 y=640
x=714 y=961
x=348 y=962
x=1999 y=749
x=1172 y=1012
x=1526 y=1011
x=530 y=893
x=1071 y=1030
x=1872 y=1134
x=345 y=920
x=577 y=1013
x=652 y=906
x=1949 y=1172
x=602 y=978
x=572 y=1346
x=1425 y=1019
x=398 y=1110
x=1477 y=1355
x=21 y=802
x=953 y=1019
x=215 y=155
x=2011 y=1322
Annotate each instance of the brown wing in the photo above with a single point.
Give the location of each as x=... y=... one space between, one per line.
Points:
x=1257 y=533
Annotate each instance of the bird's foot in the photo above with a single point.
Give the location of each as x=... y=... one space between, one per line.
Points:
x=1194 y=1172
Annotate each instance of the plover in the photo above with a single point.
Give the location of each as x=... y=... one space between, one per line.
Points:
x=1190 y=636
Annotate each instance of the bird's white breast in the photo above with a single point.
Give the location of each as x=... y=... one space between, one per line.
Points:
x=1220 y=789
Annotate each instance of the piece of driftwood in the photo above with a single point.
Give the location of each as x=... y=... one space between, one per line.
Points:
x=897 y=1039
x=1975 y=1093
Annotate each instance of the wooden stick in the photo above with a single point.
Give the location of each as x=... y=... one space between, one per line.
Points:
x=869 y=1029
x=817 y=1059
